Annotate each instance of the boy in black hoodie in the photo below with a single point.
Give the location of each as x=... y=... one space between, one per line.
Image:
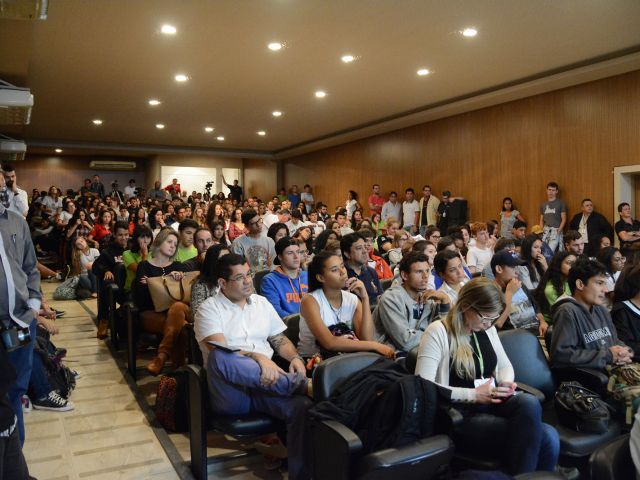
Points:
x=584 y=335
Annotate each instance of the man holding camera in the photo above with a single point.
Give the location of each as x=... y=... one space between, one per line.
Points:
x=20 y=301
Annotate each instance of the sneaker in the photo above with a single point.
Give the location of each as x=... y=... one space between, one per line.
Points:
x=53 y=402
x=59 y=313
x=26 y=404
x=76 y=374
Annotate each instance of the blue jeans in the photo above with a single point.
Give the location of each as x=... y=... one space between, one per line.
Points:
x=235 y=389
x=88 y=282
x=513 y=429
x=553 y=238
x=39 y=381
x=22 y=361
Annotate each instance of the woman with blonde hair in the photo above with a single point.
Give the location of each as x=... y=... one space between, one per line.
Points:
x=168 y=323
x=464 y=355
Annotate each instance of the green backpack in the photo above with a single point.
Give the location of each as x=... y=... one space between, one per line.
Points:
x=624 y=387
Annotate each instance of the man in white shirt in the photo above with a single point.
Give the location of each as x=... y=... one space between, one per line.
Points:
x=317 y=225
x=479 y=255
x=245 y=379
x=307 y=198
x=392 y=208
x=130 y=190
x=410 y=211
x=18 y=200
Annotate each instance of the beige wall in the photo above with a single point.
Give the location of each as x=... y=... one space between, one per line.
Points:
x=573 y=136
x=260 y=178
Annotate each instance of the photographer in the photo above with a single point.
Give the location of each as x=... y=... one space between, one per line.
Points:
x=20 y=301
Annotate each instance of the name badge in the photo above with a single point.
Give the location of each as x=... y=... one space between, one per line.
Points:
x=481 y=381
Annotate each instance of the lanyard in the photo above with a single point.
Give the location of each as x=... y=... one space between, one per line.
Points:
x=479 y=355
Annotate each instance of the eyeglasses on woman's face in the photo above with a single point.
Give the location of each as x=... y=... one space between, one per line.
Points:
x=487 y=320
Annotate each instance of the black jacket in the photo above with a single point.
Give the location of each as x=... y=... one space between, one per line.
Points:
x=626 y=318
x=581 y=338
x=597 y=224
x=106 y=262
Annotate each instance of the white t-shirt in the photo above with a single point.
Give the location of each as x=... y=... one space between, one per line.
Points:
x=306 y=197
x=269 y=219
x=351 y=206
x=86 y=259
x=330 y=316
x=245 y=328
x=65 y=217
x=409 y=210
x=129 y=192
x=479 y=258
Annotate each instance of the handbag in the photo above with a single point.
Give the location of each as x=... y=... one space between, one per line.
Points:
x=67 y=289
x=165 y=291
x=581 y=409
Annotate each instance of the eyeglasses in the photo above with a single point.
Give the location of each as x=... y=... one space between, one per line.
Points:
x=242 y=278
x=256 y=222
x=487 y=320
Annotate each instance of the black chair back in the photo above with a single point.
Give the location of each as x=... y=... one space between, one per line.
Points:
x=385 y=284
x=612 y=461
x=329 y=373
x=120 y=275
x=547 y=338
x=194 y=354
x=528 y=360
x=293 y=328
x=411 y=360
x=257 y=280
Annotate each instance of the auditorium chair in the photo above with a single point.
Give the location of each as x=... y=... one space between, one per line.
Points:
x=613 y=461
x=293 y=328
x=134 y=335
x=530 y=366
x=116 y=295
x=386 y=284
x=202 y=419
x=257 y=280
x=337 y=451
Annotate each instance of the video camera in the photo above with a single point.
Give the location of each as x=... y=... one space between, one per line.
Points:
x=14 y=337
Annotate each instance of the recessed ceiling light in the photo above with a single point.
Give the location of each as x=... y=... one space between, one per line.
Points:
x=159 y=126
x=181 y=77
x=153 y=102
x=220 y=139
x=275 y=46
x=348 y=58
x=321 y=94
x=208 y=129
x=58 y=150
x=262 y=133
x=168 y=29
x=97 y=121
x=276 y=113
x=423 y=71
x=469 y=32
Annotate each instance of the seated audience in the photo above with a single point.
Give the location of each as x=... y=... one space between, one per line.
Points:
x=333 y=319
x=573 y=242
x=82 y=259
x=202 y=240
x=342 y=220
x=614 y=262
x=451 y=275
x=404 y=311
x=206 y=286
x=626 y=309
x=384 y=242
x=156 y=221
x=169 y=323
x=219 y=234
x=507 y=244
x=356 y=257
x=101 y=232
x=256 y=248
x=598 y=243
x=521 y=309
x=377 y=263
x=583 y=332
x=186 y=249
x=323 y=238
x=535 y=263
x=464 y=355
x=627 y=229
x=103 y=268
x=236 y=227
x=479 y=255
x=400 y=238
x=285 y=286
x=138 y=252
x=277 y=231
x=248 y=380
x=590 y=224
x=554 y=283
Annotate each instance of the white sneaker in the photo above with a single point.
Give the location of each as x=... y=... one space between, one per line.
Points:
x=53 y=402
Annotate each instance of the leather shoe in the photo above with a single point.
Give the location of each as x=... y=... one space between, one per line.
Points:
x=103 y=327
x=155 y=367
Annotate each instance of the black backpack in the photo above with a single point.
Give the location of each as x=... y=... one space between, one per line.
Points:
x=581 y=409
x=60 y=377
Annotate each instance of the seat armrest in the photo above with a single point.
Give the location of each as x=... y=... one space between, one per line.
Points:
x=447 y=418
x=197 y=420
x=590 y=378
x=532 y=390
x=335 y=449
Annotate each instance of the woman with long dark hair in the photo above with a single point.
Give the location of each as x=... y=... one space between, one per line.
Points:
x=236 y=228
x=156 y=221
x=137 y=253
x=218 y=234
x=614 y=261
x=206 y=285
x=352 y=203
x=101 y=232
x=277 y=231
x=464 y=355
x=139 y=217
x=531 y=252
x=324 y=237
x=508 y=216
x=554 y=283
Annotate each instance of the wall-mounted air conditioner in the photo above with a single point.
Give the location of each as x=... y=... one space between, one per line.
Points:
x=15 y=105
x=112 y=165
x=11 y=150
x=24 y=9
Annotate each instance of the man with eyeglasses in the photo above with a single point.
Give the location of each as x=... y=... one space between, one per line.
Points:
x=522 y=310
x=258 y=249
x=242 y=376
x=285 y=286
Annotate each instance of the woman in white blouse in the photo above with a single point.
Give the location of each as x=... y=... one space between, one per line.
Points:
x=463 y=353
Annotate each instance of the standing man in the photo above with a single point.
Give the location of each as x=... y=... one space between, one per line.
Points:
x=294 y=196
x=235 y=190
x=173 y=188
x=97 y=188
x=444 y=212
x=157 y=193
x=376 y=201
x=410 y=211
x=590 y=224
x=20 y=297
x=130 y=190
x=428 y=210
x=392 y=208
x=307 y=198
x=553 y=217
x=257 y=249
x=18 y=200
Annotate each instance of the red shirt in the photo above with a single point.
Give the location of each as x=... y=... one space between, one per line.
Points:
x=99 y=232
x=174 y=188
x=376 y=200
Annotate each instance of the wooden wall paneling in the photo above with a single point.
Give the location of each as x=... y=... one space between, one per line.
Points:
x=260 y=178
x=573 y=136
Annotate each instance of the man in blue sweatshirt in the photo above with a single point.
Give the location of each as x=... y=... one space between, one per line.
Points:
x=584 y=335
x=285 y=286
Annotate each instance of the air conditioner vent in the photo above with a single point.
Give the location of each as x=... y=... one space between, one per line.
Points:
x=112 y=165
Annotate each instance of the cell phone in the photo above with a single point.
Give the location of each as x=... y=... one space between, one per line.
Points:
x=223 y=347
